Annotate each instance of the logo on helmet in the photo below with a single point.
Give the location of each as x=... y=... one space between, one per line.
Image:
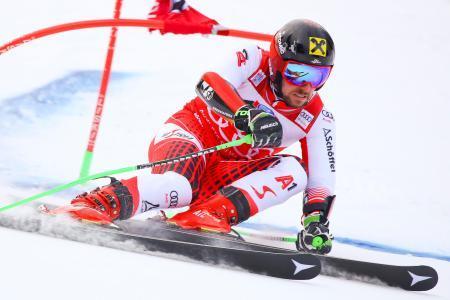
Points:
x=317 y=46
x=281 y=46
x=293 y=47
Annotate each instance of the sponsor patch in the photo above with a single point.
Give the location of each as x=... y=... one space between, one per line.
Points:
x=265 y=108
x=172 y=199
x=327 y=114
x=207 y=92
x=147 y=205
x=179 y=133
x=317 y=46
x=258 y=77
x=304 y=119
x=273 y=124
x=281 y=46
x=242 y=57
x=170 y=130
x=330 y=150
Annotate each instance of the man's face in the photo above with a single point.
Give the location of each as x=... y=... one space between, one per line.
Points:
x=294 y=95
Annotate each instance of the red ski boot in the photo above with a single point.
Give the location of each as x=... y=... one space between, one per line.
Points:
x=218 y=213
x=102 y=205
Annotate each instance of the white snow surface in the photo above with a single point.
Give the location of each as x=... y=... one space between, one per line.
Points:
x=388 y=91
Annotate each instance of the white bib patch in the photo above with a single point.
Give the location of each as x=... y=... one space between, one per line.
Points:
x=304 y=119
x=258 y=77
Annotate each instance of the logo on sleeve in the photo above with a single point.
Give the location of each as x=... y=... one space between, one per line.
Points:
x=304 y=119
x=258 y=77
x=207 y=92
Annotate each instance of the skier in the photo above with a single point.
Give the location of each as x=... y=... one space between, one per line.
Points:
x=271 y=95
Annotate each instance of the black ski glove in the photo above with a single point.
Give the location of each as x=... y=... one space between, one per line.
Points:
x=265 y=128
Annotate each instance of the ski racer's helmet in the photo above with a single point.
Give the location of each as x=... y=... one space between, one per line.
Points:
x=301 y=51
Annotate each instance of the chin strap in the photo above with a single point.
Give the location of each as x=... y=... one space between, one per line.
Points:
x=275 y=86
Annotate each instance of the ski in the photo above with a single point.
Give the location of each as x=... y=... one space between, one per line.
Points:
x=293 y=266
x=411 y=278
x=233 y=251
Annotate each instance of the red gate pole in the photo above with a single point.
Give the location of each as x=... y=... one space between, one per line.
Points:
x=89 y=153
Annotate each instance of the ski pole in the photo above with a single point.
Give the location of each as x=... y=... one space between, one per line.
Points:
x=278 y=238
x=245 y=140
x=317 y=241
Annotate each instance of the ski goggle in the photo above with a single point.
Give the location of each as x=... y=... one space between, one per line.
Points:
x=300 y=74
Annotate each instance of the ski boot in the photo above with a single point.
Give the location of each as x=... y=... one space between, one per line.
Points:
x=218 y=213
x=103 y=205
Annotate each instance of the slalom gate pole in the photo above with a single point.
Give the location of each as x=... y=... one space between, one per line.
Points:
x=245 y=140
x=95 y=126
x=154 y=24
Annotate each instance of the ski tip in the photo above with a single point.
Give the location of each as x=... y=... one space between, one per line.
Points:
x=305 y=269
x=420 y=278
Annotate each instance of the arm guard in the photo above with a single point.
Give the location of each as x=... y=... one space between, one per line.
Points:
x=219 y=95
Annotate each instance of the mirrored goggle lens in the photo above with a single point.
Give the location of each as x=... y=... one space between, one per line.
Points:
x=300 y=74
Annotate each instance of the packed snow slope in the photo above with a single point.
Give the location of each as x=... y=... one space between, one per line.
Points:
x=388 y=92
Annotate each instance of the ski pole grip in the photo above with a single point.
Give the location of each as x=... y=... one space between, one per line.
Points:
x=317 y=242
x=245 y=140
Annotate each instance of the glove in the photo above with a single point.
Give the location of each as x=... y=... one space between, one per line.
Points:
x=316 y=237
x=265 y=128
